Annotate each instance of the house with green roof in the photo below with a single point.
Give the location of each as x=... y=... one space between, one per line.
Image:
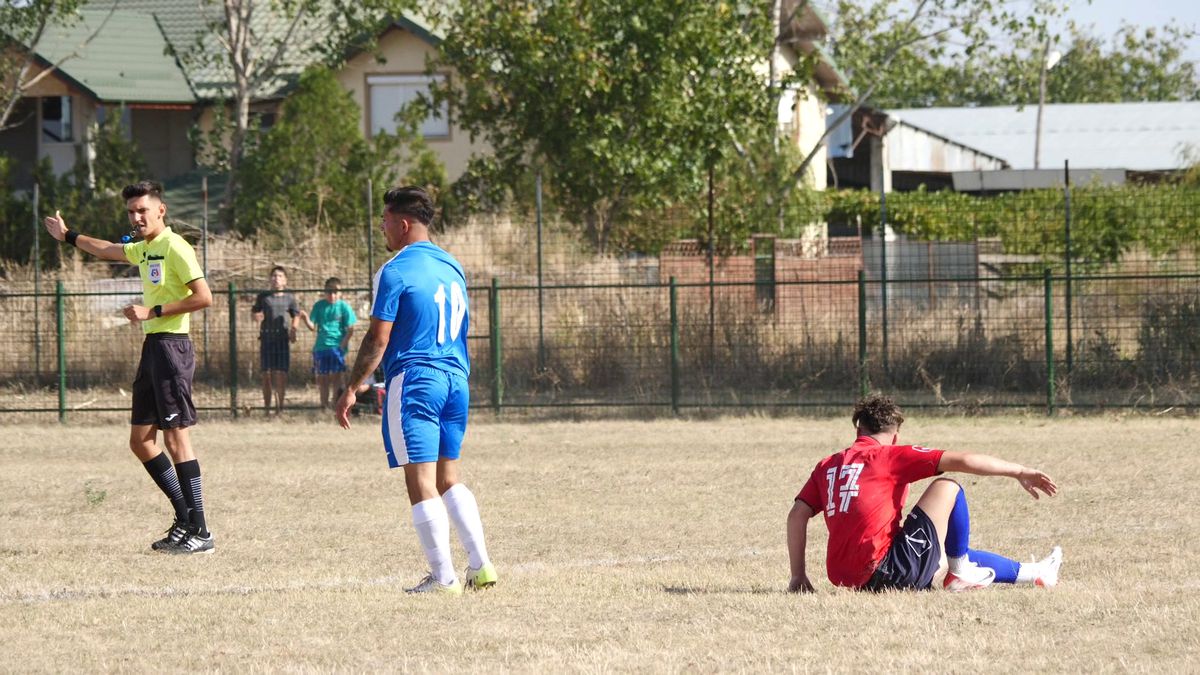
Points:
x=130 y=67
x=121 y=60
x=113 y=73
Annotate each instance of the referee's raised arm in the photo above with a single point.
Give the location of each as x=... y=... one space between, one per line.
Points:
x=57 y=227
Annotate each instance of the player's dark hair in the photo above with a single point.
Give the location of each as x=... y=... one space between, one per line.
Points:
x=141 y=189
x=332 y=282
x=410 y=200
x=876 y=413
x=277 y=268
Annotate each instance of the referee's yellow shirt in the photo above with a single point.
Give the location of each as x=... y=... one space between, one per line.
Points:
x=167 y=265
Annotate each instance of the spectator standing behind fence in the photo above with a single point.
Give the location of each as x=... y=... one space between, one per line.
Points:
x=173 y=286
x=333 y=319
x=278 y=315
x=418 y=330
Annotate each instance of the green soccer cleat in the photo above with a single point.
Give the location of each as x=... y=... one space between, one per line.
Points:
x=484 y=577
x=432 y=585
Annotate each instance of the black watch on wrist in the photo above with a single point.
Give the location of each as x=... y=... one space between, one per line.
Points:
x=158 y=310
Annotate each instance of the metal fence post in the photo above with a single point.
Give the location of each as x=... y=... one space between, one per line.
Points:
x=1067 y=232
x=541 y=306
x=497 y=358
x=1049 y=302
x=370 y=239
x=204 y=262
x=883 y=271
x=674 y=347
x=233 y=351
x=60 y=310
x=37 y=285
x=863 y=380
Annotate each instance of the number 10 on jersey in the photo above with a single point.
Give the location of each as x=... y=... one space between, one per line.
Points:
x=458 y=311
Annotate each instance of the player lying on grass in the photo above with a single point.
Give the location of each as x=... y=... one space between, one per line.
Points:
x=861 y=490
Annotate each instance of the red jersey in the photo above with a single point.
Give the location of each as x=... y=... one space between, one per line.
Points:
x=861 y=490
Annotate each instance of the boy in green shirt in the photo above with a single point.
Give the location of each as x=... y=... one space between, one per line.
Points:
x=333 y=319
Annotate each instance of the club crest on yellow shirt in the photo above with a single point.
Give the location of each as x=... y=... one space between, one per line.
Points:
x=155 y=272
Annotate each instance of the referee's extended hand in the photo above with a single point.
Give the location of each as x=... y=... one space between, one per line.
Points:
x=56 y=226
x=341 y=409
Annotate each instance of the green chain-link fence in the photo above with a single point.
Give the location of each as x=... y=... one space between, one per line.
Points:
x=1049 y=301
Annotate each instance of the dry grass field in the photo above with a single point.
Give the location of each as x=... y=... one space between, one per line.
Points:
x=622 y=546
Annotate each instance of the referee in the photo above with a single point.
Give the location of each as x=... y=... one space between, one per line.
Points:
x=173 y=287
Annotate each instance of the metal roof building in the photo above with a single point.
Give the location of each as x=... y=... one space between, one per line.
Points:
x=1130 y=136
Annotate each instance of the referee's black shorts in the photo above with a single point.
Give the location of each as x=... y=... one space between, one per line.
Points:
x=912 y=559
x=162 y=388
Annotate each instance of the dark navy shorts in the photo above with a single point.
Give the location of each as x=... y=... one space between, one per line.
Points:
x=162 y=388
x=913 y=558
x=275 y=353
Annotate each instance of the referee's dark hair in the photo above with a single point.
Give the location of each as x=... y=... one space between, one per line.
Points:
x=410 y=200
x=877 y=413
x=143 y=188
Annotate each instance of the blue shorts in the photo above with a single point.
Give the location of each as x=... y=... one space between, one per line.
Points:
x=424 y=416
x=328 y=361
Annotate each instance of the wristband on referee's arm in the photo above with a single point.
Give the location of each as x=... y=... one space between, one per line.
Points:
x=72 y=235
x=158 y=311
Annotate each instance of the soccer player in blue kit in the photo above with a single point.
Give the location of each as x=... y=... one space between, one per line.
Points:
x=419 y=321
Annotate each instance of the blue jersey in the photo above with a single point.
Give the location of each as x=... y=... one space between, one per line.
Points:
x=422 y=290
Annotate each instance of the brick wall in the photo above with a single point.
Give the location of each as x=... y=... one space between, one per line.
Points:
x=835 y=260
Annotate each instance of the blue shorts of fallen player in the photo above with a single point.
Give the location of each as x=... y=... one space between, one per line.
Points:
x=424 y=416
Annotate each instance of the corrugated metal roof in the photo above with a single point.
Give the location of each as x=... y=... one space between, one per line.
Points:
x=1137 y=136
x=126 y=61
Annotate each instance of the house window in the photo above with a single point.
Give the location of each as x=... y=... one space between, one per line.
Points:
x=388 y=94
x=56 y=119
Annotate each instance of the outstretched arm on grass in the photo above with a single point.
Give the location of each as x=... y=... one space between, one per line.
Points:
x=797 y=538
x=1031 y=480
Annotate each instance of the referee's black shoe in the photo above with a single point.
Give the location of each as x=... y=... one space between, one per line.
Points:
x=193 y=543
x=177 y=532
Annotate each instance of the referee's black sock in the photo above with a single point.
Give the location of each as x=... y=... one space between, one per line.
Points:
x=189 y=477
x=164 y=476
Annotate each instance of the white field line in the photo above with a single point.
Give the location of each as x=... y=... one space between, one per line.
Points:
x=16 y=597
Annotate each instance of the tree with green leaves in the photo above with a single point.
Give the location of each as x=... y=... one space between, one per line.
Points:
x=1138 y=64
x=256 y=47
x=620 y=104
x=310 y=169
x=23 y=25
x=1001 y=66
x=887 y=47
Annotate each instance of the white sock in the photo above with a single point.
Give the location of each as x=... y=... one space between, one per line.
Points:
x=1028 y=572
x=464 y=511
x=433 y=530
x=956 y=563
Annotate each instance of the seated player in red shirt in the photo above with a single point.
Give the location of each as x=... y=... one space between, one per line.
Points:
x=861 y=491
